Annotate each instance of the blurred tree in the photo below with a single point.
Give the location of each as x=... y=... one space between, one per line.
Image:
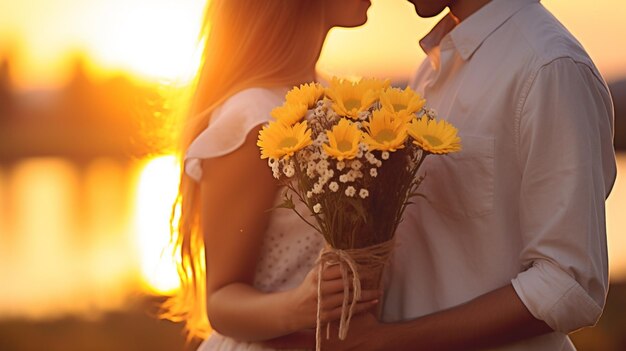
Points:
x=6 y=90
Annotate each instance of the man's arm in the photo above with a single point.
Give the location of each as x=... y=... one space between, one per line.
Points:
x=496 y=318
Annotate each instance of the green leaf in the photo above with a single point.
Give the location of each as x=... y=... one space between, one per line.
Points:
x=412 y=195
x=287 y=203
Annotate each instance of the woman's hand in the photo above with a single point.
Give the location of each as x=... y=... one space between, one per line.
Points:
x=304 y=298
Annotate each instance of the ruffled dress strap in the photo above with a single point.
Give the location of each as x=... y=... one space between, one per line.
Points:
x=230 y=125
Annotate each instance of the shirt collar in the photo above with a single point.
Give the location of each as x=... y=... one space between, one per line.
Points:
x=468 y=35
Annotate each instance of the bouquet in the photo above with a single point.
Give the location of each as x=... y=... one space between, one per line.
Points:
x=351 y=153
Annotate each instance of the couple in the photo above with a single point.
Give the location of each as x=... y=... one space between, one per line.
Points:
x=509 y=250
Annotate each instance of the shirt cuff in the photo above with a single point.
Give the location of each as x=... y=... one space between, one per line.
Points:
x=552 y=295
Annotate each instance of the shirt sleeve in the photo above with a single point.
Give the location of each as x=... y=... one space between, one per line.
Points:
x=568 y=169
x=229 y=127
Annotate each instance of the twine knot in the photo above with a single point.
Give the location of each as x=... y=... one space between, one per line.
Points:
x=351 y=261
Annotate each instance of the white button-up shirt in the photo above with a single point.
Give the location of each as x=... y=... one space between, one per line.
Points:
x=523 y=202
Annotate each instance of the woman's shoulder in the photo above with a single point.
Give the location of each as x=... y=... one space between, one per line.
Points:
x=230 y=125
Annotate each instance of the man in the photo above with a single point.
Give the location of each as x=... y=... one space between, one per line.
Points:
x=509 y=250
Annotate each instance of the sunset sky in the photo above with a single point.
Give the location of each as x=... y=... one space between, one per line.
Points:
x=156 y=38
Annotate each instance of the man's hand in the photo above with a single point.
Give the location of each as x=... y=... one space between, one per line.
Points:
x=361 y=335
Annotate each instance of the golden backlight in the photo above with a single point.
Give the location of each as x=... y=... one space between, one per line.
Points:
x=156 y=192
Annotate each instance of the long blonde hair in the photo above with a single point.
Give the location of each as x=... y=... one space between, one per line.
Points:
x=264 y=43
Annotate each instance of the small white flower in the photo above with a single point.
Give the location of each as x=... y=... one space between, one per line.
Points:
x=276 y=170
x=371 y=158
x=341 y=165
x=317 y=188
x=343 y=178
x=359 y=153
x=322 y=166
x=356 y=165
x=356 y=174
x=317 y=208
x=373 y=172
x=350 y=191
x=432 y=113
x=309 y=194
x=363 y=193
x=384 y=155
x=322 y=137
x=333 y=186
x=289 y=170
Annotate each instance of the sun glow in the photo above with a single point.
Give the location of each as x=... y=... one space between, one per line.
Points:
x=158 y=40
x=156 y=192
x=148 y=39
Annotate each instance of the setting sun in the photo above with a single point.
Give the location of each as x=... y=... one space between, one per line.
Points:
x=156 y=41
x=148 y=39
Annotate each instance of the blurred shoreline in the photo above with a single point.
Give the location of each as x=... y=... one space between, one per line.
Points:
x=117 y=118
x=132 y=329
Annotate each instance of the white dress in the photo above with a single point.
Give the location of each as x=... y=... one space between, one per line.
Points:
x=290 y=247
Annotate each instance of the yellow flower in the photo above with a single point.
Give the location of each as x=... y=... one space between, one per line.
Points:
x=402 y=102
x=434 y=137
x=351 y=98
x=277 y=140
x=307 y=94
x=344 y=140
x=385 y=131
x=289 y=113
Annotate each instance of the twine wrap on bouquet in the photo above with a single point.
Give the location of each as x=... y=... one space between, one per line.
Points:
x=366 y=266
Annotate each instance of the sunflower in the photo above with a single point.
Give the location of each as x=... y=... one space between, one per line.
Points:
x=351 y=98
x=434 y=137
x=307 y=94
x=385 y=131
x=277 y=140
x=403 y=102
x=344 y=140
x=289 y=113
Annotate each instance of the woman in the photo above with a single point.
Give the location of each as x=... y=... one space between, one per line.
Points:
x=259 y=282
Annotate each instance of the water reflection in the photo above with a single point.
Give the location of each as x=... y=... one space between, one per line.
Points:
x=81 y=239
x=65 y=239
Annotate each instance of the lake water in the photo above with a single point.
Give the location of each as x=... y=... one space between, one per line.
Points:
x=83 y=239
